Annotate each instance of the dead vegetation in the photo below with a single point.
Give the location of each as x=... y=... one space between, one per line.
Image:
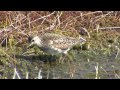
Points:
x=100 y=28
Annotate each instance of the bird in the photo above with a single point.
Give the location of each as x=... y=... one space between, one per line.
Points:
x=54 y=43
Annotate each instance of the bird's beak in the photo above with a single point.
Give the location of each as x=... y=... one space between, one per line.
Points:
x=30 y=46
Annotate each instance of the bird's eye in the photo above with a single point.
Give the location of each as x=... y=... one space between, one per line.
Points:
x=32 y=41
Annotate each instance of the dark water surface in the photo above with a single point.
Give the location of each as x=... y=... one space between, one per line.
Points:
x=85 y=65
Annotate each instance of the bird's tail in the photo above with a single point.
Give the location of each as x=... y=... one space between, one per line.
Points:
x=82 y=39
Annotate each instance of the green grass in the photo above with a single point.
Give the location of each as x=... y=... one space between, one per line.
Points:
x=102 y=47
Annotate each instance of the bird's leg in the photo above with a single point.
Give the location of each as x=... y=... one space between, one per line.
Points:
x=70 y=56
x=62 y=58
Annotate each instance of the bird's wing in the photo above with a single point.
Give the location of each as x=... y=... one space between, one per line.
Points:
x=63 y=43
x=59 y=41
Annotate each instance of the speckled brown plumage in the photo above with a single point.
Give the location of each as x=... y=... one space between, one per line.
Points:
x=54 y=43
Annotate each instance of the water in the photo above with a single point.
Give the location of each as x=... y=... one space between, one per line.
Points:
x=85 y=65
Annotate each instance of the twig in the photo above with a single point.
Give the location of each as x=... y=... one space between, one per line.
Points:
x=39 y=74
x=97 y=74
x=92 y=13
x=58 y=18
x=97 y=28
x=42 y=17
x=116 y=75
x=108 y=28
x=117 y=52
x=27 y=73
x=103 y=70
x=12 y=24
x=102 y=16
x=16 y=73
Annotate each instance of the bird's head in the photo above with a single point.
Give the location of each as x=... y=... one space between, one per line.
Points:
x=34 y=41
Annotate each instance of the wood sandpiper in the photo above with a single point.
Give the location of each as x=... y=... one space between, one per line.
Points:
x=54 y=43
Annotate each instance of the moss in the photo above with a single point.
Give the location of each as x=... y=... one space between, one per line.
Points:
x=101 y=46
x=111 y=41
